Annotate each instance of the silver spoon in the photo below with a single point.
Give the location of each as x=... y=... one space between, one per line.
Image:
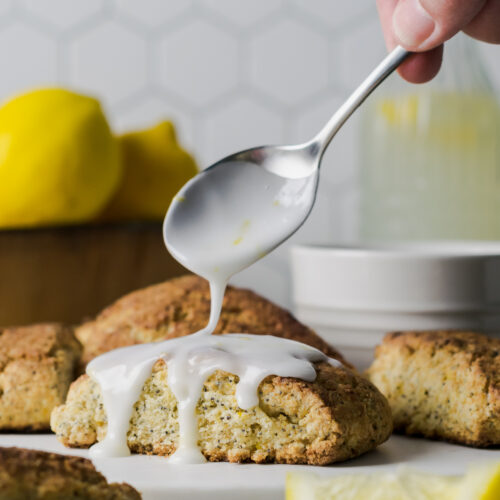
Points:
x=258 y=197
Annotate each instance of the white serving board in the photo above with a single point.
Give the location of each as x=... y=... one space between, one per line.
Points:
x=156 y=479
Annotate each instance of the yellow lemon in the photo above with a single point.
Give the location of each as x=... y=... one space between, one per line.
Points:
x=480 y=483
x=59 y=162
x=155 y=168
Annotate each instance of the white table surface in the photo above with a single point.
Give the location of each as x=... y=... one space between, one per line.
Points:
x=156 y=479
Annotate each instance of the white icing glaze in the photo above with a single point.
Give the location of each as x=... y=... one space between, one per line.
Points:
x=234 y=215
x=190 y=361
x=215 y=236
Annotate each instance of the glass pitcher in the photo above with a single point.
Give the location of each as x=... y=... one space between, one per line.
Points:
x=430 y=155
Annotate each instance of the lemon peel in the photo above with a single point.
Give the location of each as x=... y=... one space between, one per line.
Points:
x=481 y=482
x=155 y=168
x=59 y=162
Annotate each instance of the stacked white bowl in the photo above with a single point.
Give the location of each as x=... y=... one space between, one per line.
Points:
x=352 y=296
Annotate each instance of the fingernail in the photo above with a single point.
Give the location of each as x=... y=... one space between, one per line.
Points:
x=411 y=23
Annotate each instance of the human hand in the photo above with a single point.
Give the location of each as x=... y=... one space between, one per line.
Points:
x=424 y=25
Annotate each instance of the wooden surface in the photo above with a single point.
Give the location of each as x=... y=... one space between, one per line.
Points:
x=67 y=274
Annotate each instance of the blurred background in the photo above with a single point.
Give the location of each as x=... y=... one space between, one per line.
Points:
x=229 y=74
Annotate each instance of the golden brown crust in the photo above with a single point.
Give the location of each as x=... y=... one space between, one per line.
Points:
x=181 y=306
x=36 y=474
x=442 y=384
x=37 y=364
x=338 y=416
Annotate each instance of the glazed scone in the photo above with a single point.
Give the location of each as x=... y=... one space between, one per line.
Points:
x=32 y=474
x=181 y=306
x=441 y=384
x=338 y=416
x=37 y=365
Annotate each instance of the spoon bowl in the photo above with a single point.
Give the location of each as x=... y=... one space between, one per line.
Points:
x=266 y=207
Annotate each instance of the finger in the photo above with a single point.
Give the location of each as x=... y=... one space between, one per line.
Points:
x=422 y=67
x=385 y=11
x=421 y=25
x=419 y=68
x=486 y=25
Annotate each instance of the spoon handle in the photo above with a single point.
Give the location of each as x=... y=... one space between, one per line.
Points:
x=374 y=79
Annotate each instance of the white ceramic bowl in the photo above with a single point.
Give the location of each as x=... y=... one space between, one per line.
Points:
x=354 y=295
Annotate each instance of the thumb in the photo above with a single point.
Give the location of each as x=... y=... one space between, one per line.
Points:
x=421 y=25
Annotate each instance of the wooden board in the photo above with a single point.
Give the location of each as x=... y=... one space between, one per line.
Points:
x=69 y=273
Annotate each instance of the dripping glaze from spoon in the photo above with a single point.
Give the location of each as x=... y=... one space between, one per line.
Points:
x=222 y=221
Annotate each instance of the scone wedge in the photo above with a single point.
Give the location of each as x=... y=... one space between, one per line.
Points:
x=442 y=384
x=181 y=306
x=37 y=365
x=338 y=416
x=32 y=474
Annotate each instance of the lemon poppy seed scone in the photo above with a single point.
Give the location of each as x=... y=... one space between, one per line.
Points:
x=338 y=416
x=181 y=306
x=441 y=384
x=32 y=474
x=37 y=365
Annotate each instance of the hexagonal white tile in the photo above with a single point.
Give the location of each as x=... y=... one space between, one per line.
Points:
x=243 y=12
x=308 y=121
x=263 y=277
x=289 y=62
x=152 y=12
x=199 y=62
x=345 y=214
x=62 y=13
x=109 y=61
x=239 y=125
x=27 y=59
x=335 y=14
x=5 y=6
x=150 y=110
x=359 y=51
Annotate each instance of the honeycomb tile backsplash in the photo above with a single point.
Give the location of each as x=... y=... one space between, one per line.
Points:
x=230 y=73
